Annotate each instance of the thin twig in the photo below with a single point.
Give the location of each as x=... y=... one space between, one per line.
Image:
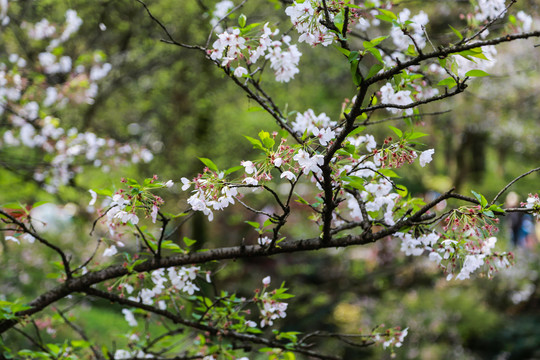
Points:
x=511 y=183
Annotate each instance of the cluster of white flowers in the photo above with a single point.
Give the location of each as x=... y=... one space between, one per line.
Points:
x=207 y=197
x=526 y=21
x=28 y=237
x=391 y=97
x=176 y=279
x=72 y=25
x=271 y=309
x=377 y=197
x=41 y=30
x=283 y=56
x=126 y=354
x=117 y=213
x=473 y=256
x=306 y=18
x=284 y=62
x=415 y=29
x=309 y=122
x=319 y=126
x=416 y=246
x=228 y=47
x=309 y=163
x=396 y=341
x=29 y=130
x=489 y=9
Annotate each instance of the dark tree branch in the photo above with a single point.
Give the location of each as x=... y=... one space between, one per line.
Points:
x=203 y=327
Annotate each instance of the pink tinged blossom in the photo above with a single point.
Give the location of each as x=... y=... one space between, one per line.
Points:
x=278 y=162
x=435 y=257
x=250 y=181
x=154 y=213
x=426 y=157
x=308 y=163
x=284 y=62
x=190 y=288
x=264 y=241
x=240 y=71
x=110 y=251
x=288 y=175
x=324 y=135
x=185 y=183
x=266 y=281
x=402 y=337
x=94 y=197
x=250 y=323
x=249 y=167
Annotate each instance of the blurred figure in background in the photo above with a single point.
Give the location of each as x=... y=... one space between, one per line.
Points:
x=522 y=226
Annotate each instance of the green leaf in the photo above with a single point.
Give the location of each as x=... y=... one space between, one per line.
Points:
x=104 y=192
x=255 y=108
x=189 y=242
x=384 y=18
x=454 y=68
x=242 y=19
x=80 y=343
x=357 y=131
x=496 y=208
x=458 y=34
x=268 y=222
x=301 y=199
x=55 y=349
x=411 y=51
x=132 y=182
x=253 y=223
x=388 y=173
x=442 y=62
x=402 y=191
x=415 y=135
x=209 y=163
x=13 y=205
x=388 y=13
x=233 y=169
x=343 y=51
x=449 y=81
x=398 y=132
x=339 y=20
x=476 y=73
x=481 y=199
x=266 y=139
x=378 y=40
x=256 y=143
x=374 y=70
x=376 y=53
